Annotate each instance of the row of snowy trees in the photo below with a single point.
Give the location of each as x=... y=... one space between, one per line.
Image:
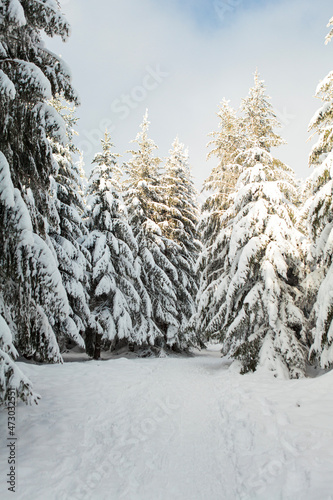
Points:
x=252 y=265
x=117 y=268
x=34 y=308
x=116 y=262
x=143 y=243
x=266 y=286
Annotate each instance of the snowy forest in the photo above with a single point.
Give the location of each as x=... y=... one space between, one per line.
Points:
x=128 y=257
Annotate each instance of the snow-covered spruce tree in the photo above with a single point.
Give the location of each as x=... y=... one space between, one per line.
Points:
x=145 y=200
x=180 y=227
x=33 y=300
x=254 y=304
x=73 y=257
x=227 y=143
x=114 y=299
x=11 y=377
x=319 y=211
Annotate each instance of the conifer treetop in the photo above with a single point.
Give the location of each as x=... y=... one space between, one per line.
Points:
x=106 y=157
x=329 y=36
x=260 y=119
x=178 y=160
x=180 y=194
x=143 y=165
x=106 y=167
x=228 y=142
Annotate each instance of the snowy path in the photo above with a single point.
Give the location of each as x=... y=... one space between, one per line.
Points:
x=172 y=429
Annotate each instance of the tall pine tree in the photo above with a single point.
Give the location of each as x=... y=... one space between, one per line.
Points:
x=227 y=143
x=73 y=258
x=115 y=301
x=180 y=227
x=33 y=300
x=319 y=210
x=145 y=200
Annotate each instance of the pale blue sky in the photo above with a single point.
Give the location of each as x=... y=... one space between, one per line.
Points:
x=209 y=14
x=180 y=58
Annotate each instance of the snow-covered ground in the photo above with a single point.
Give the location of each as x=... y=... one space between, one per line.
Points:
x=171 y=429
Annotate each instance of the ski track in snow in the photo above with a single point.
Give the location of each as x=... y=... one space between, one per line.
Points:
x=171 y=429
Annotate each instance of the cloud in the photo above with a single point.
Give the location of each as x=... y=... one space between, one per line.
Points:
x=200 y=56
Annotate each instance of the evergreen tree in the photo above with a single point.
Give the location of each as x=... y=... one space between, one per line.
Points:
x=227 y=144
x=251 y=305
x=145 y=200
x=33 y=299
x=321 y=123
x=115 y=301
x=319 y=210
x=31 y=288
x=73 y=257
x=180 y=227
x=260 y=119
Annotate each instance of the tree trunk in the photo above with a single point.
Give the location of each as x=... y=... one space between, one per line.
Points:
x=97 y=349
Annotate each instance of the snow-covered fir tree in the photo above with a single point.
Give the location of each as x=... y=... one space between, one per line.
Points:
x=73 y=257
x=251 y=304
x=11 y=377
x=114 y=298
x=31 y=288
x=33 y=300
x=145 y=200
x=319 y=211
x=227 y=143
x=180 y=227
